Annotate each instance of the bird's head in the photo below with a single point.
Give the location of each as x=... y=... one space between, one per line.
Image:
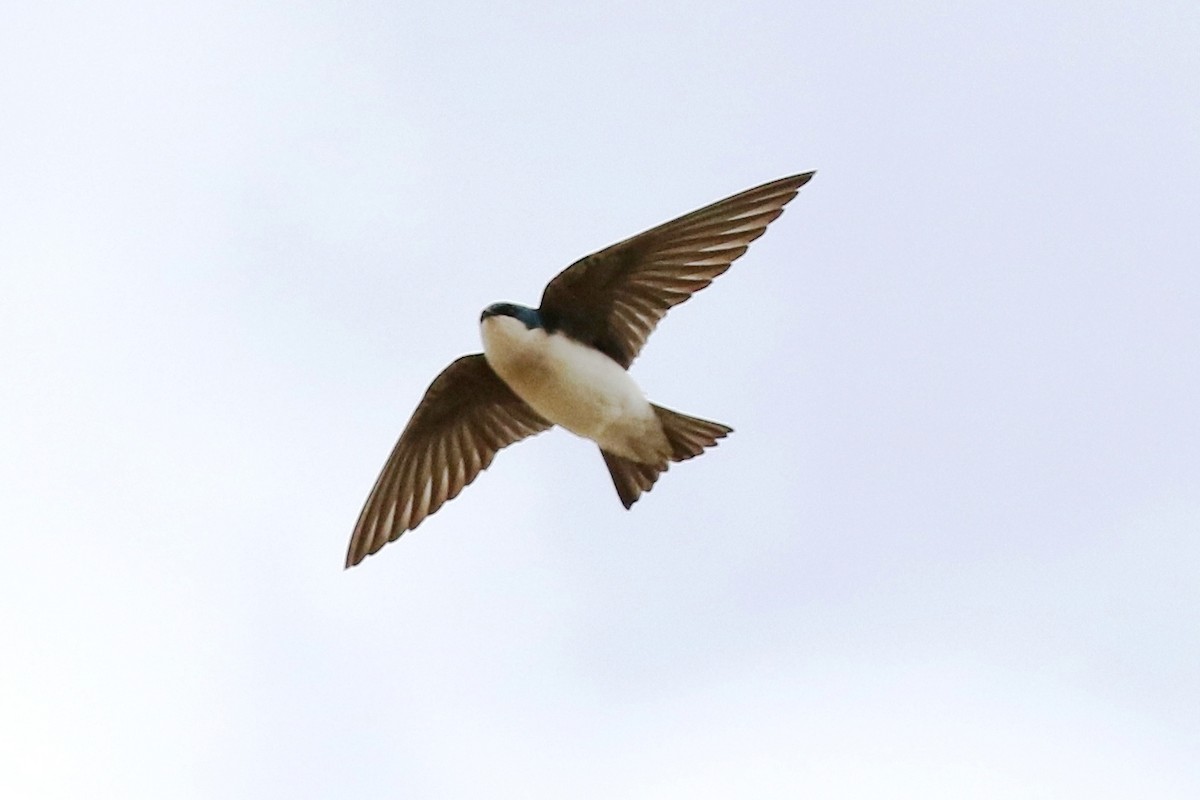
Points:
x=529 y=317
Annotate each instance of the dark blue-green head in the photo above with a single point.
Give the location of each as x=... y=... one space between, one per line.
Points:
x=528 y=316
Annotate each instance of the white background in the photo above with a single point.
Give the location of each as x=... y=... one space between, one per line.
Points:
x=952 y=549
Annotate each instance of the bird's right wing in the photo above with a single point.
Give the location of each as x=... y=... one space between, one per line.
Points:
x=467 y=415
x=612 y=299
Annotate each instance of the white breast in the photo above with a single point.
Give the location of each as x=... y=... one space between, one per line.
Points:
x=574 y=386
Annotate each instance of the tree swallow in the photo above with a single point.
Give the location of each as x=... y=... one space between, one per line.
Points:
x=566 y=363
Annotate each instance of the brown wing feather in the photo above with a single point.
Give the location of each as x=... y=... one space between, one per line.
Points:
x=465 y=417
x=613 y=299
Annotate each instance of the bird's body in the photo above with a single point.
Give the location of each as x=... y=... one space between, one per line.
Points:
x=574 y=386
x=566 y=363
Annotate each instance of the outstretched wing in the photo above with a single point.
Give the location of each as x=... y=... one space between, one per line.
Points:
x=612 y=299
x=467 y=415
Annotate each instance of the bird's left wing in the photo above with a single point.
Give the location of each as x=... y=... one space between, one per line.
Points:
x=612 y=299
x=467 y=415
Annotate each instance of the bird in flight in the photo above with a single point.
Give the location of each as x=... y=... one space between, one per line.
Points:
x=566 y=363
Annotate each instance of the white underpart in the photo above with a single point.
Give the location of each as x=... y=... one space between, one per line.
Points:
x=575 y=386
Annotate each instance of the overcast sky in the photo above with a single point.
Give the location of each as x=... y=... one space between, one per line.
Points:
x=952 y=549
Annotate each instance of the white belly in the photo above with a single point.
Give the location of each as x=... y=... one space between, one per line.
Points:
x=576 y=387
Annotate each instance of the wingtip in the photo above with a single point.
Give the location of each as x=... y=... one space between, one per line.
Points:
x=788 y=186
x=356 y=553
x=803 y=177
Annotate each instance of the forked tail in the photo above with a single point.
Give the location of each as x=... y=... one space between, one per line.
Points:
x=687 y=436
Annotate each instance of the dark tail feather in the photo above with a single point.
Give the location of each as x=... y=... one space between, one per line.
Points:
x=687 y=436
x=631 y=477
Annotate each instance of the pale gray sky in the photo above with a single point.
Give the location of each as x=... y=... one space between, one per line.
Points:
x=951 y=550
